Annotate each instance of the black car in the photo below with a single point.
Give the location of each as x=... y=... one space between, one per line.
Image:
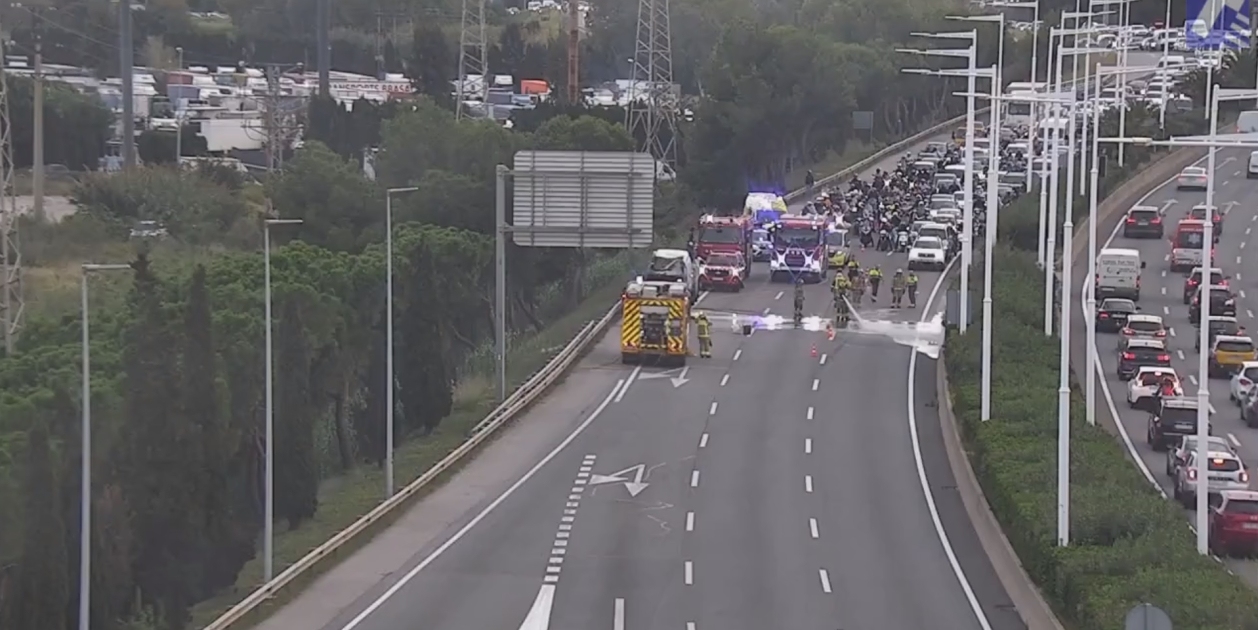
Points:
x=1219 y=325
x=1171 y=420
x=1221 y=303
x=1138 y=352
x=1194 y=280
x=1143 y=222
x=1113 y=313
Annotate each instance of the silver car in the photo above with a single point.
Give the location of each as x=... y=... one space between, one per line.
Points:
x=1225 y=470
x=1192 y=178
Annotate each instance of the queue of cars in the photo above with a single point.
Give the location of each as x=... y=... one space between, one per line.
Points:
x=1153 y=385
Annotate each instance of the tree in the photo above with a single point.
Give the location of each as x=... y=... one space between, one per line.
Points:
x=296 y=475
x=432 y=62
x=335 y=202
x=424 y=380
x=41 y=589
x=76 y=126
x=165 y=567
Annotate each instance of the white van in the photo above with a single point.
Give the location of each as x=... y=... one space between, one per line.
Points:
x=1252 y=171
x=1118 y=273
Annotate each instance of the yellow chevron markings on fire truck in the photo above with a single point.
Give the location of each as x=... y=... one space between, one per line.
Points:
x=631 y=323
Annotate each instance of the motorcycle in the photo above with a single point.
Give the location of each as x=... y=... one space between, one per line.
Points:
x=902 y=242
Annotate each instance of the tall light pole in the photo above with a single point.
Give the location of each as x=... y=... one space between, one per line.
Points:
x=1034 y=80
x=179 y=119
x=967 y=240
x=268 y=521
x=85 y=434
x=388 y=335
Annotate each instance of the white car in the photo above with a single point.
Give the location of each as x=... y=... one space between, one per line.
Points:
x=1187 y=445
x=1147 y=381
x=928 y=252
x=1243 y=381
x=1224 y=469
x=1192 y=178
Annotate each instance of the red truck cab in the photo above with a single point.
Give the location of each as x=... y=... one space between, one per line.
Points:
x=717 y=234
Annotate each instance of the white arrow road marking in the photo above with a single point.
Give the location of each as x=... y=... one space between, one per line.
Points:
x=631 y=477
x=539 y=615
x=618 y=615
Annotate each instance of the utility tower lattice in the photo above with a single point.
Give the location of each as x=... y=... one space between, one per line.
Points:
x=473 y=55
x=653 y=97
x=11 y=304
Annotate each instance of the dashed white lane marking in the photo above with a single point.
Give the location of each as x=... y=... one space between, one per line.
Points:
x=766 y=312
x=1193 y=378
x=694 y=479
x=1238 y=260
x=1181 y=354
x=812 y=528
x=779 y=295
x=807 y=446
x=1254 y=217
x=690 y=521
x=690 y=572
x=724 y=380
x=1163 y=290
x=825 y=580
x=618 y=614
x=1171 y=331
x=807 y=483
x=815 y=383
x=1249 y=313
x=1212 y=412
x=1243 y=244
x=1166 y=310
x=554 y=564
x=1235 y=442
x=810 y=412
x=690 y=625
x=1236 y=174
x=1242 y=293
x=1163 y=273
x=823 y=359
x=712 y=409
x=1226 y=182
x=738 y=353
x=703 y=441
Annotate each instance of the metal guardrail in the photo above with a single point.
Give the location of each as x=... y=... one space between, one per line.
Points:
x=519 y=400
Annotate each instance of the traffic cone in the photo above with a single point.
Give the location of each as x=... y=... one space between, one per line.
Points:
x=814 y=350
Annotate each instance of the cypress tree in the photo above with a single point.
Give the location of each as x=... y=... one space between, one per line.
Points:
x=296 y=474
x=42 y=584
x=425 y=386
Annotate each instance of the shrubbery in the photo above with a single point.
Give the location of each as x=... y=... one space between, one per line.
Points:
x=1128 y=544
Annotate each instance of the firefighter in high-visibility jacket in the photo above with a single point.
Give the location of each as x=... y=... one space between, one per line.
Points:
x=705 y=335
x=898 y=284
x=911 y=282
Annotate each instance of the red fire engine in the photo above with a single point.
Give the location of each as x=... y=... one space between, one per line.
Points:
x=723 y=234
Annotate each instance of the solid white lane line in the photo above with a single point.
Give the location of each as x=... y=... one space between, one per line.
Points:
x=807 y=483
x=694 y=479
x=690 y=572
x=543 y=595
x=810 y=412
x=738 y=353
x=618 y=614
x=815 y=384
x=808 y=446
x=1235 y=442
x=911 y=382
x=690 y=521
x=724 y=380
x=703 y=440
x=633 y=376
x=812 y=528
x=825 y=580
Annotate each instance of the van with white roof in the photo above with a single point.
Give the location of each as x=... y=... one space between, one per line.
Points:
x=1118 y=273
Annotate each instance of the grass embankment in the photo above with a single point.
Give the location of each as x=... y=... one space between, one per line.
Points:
x=1128 y=545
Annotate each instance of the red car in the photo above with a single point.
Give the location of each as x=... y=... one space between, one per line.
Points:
x=1234 y=523
x=722 y=270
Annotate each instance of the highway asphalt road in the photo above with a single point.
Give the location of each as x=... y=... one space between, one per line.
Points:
x=1161 y=295
x=766 y=487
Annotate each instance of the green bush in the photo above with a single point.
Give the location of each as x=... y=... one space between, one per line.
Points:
x=1128 y=544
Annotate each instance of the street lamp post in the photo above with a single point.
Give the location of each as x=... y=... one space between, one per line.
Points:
x=268 y=521
x=179 y=118
x=85 y=435
x=388 y=327
x=967 y=244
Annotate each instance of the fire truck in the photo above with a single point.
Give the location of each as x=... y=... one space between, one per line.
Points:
x=799 y=248
x=655 y=322
x=724 y=235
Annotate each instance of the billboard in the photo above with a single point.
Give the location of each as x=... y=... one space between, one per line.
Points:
x=1218 y=24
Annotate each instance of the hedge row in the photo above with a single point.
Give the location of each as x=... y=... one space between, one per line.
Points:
x=1128 y=544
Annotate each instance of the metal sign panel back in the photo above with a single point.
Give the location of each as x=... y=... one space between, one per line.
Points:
x=1217 y=24
x=1147 y=617
x=599 y=199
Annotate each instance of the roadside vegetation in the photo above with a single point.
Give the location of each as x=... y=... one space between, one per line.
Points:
x=1128 y=544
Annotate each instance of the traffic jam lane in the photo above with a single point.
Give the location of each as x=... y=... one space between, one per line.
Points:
x=1161 y=295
